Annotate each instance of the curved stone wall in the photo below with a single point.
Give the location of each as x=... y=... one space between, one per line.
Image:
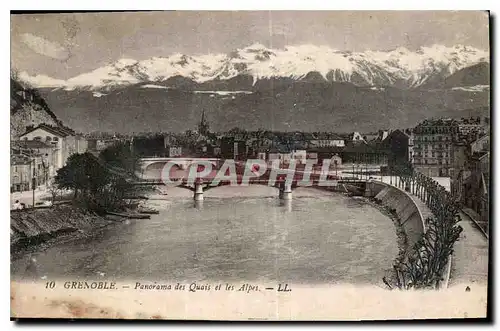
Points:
x=407 y=211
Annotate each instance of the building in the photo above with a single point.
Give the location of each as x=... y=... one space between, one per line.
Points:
x=471 y=185
x=380 y=135
x=41 y=151
x=442 y=147
x=299 y=155
x=467 y=126
x=217 y=151
x=433 y=153
x=235 y=148
x=174 y=151
x=398 y=145
x=355 y=137
x=99 y=144
x=65 y=141
x=359 y=152
x=311 y=155
x=281 y=153
x=474 y=187
x=27 y=165
x=411 y=145
x=21 y=173
x=323 y=153
x=324 y=139
x=480 y=144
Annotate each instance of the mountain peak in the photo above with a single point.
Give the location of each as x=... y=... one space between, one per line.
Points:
x=41 y=80
x=398 y=67
x=256 y=46
x=124 y=62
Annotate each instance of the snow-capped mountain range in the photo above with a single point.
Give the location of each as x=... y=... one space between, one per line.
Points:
x=399 y=67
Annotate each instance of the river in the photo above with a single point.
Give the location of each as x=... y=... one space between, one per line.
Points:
x=235 y=234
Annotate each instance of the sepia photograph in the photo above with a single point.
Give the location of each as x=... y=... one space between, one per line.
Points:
x=250 y=165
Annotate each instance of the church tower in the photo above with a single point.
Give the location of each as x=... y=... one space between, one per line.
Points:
x=203 y=128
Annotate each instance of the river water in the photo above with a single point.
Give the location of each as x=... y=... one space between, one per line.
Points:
x=317 y=238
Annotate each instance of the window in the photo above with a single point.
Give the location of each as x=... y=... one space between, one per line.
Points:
x=38 y=138
x=48 y=138
x=55 y=139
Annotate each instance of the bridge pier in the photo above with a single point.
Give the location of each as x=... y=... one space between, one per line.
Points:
x=287 y=204
x=198 y=191
x=368 y=190
x=285 y=191
x=198 y=204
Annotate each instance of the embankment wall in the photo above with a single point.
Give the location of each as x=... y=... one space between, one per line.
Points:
x=39 y=224
x=405 y=208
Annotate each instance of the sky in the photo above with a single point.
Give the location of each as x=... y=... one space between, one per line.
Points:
x=66 y=45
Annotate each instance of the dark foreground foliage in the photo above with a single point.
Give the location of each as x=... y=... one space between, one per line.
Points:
x=425 y=263
x=95 y=187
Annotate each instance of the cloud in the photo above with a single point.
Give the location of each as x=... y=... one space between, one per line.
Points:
x=44 y=47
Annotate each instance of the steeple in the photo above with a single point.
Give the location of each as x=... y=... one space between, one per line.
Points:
x=203 y=126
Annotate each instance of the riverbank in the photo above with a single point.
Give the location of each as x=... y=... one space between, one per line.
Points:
x=402 y=240
x=30 y=227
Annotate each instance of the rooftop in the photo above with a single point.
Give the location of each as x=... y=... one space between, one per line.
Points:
x=60 y=131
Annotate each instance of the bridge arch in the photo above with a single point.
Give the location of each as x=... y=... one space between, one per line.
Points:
x=156 y=165
x=251 y=190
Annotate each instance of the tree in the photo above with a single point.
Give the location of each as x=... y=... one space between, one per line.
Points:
x=54 y=190
x=120 y=155
x=82 y=173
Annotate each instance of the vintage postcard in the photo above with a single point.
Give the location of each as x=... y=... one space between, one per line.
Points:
x=250 y=165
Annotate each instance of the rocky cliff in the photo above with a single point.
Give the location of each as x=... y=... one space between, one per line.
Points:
x=27 y=108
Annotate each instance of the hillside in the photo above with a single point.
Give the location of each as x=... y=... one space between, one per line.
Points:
x=302 y=87
x=274 y=104
x=475 y=75
x=27 y=107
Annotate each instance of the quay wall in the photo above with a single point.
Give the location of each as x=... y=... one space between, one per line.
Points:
x=30 y=226
x=404 y=206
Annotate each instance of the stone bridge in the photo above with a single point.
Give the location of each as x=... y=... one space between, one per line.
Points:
x=285 y=187
x=284 y=179
x=182 y=163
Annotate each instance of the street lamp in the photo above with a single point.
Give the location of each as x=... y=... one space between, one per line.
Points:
x=390 y=174
x=33 y=182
